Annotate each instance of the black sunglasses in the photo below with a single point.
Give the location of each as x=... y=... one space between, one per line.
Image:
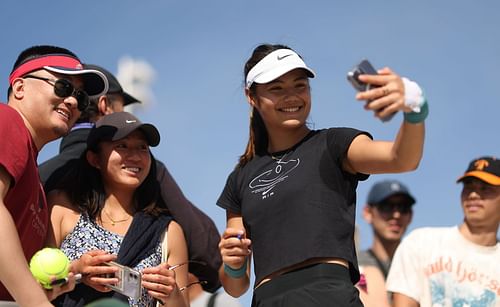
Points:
x=388 y=207
x=63 y=88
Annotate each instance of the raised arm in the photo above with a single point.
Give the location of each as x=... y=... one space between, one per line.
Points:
x=405 y=152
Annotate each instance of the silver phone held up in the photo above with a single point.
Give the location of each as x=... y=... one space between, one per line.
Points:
x=364 y=68
x=129 y=281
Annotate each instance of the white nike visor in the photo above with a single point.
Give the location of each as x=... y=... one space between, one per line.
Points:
x=275 y=65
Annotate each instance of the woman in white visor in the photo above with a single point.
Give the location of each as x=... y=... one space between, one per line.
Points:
x=290 y=201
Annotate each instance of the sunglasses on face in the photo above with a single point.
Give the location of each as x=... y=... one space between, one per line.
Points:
x=390 y=207
x=63 y=89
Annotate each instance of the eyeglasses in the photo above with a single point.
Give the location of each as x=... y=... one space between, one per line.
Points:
x=63 y=88
x=389 y=207
x=201 y=282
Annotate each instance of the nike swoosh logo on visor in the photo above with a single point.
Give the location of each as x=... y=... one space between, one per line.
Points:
x=130 y=121
x=284 y=56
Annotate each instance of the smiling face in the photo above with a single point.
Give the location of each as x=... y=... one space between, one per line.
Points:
x=123 y=164
x=48 y=116
x=481 y=203
x=284 y=102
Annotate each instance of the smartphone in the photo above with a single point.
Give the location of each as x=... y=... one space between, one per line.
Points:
x=129 y=281
x=364 y=68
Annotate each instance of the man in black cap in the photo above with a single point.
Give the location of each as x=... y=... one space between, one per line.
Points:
x=459 y=265
x=48 y=88
x=388 y=210
x=200 y=231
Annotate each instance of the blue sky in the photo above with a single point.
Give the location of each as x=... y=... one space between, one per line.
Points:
x=198 y=48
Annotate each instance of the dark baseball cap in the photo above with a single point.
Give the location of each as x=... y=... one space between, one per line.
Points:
x=114 y=86
x=384 y=189
x=486 y=169
x=118 y=125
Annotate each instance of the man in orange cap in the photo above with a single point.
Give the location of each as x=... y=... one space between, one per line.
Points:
x=455 y=266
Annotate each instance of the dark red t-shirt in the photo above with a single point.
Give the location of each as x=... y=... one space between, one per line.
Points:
x=25 y=199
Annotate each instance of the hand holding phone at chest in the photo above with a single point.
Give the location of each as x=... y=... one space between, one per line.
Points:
x=129 y=281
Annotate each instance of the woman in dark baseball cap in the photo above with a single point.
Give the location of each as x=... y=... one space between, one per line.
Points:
x=113 y=212
x=118 y=125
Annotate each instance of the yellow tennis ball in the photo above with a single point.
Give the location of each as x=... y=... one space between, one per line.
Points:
x=49 y=264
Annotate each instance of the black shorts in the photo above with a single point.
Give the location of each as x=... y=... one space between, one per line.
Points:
x=319 y=285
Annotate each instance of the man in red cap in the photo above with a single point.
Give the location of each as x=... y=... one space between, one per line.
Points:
x=48 y=88
x=455 y=266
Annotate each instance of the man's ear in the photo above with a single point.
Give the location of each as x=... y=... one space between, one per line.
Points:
x=93 y=159
x=103 y=106
x=368 y=214
x=18 y=88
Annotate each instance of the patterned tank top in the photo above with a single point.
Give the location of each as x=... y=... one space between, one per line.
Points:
x=88 y=235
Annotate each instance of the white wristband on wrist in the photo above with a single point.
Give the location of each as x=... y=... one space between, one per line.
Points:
x=414 y=97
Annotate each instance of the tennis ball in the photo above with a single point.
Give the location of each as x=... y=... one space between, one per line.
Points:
x=49 y=264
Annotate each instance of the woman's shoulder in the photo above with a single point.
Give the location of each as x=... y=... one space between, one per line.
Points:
x=59 y=200
x=174 y=228
x=62 y=213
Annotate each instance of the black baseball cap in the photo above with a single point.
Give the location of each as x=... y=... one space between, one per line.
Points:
x=118 y=125
x=114 y=86
x=384 y=189
x=486 y=169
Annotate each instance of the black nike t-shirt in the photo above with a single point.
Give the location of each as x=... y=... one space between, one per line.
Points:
x=298 y=205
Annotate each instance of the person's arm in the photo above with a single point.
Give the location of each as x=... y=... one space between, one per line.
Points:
x=405 y=152
x=164 y=283
x=406 y=278
x=401 y=300
x=63 y=218
x=14 y=272
x=201 y=234
x=374 y=294
x=234 y=248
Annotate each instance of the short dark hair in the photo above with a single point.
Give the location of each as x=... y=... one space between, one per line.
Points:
x=34 y=52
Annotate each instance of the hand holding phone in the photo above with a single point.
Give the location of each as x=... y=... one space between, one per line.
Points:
x=129 y=280
x=364 y=68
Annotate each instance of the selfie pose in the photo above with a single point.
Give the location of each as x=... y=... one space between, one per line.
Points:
x=109 y=209
x=290 y=202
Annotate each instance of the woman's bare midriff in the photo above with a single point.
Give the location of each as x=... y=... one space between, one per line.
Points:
x=301 y=265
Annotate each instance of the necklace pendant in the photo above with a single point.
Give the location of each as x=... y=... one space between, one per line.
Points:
x=112 y=223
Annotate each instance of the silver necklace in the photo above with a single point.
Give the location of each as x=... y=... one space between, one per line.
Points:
x=281 y=157
x=278 y=160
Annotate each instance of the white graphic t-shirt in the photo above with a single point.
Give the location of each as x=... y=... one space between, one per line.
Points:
x=439 y=267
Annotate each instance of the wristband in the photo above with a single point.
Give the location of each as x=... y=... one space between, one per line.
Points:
x=238 y=273
x=417 y=117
